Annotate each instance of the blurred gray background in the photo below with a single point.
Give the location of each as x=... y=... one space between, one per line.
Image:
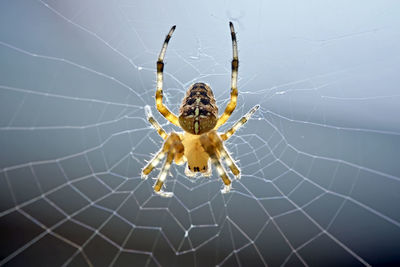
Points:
x=320 y=160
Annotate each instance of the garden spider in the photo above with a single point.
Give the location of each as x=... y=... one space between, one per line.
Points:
x=198 y=117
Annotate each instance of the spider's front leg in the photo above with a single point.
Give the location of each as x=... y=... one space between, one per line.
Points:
x=214 y=147
x=174 y=149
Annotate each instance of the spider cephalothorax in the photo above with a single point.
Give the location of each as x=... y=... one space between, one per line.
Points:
x=200 y=143
x=198 y=113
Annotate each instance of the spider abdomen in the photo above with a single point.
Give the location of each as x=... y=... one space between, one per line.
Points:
x=198 y=113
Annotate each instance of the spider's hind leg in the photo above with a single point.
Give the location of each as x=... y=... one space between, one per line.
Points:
x=152 y=164
x=223 y=153
x=163 y=175
x=211 y=146
x=230 y=162
x=174 y=149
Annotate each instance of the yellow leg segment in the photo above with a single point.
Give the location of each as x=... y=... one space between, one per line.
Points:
x=225 y=136
x=231 y=164
x=212 y=145
x=222 y=173
x=153 y=163
x=155 y=123
x=223 y=152
x=174 y=149
x=163 y=175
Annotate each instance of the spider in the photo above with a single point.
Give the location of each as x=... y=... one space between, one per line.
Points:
x=200 y=143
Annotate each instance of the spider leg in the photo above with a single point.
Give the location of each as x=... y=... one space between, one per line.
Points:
x=163 y=175
x=225 y=136
x=174 y=149
x=211 y=149
x=221 y=172
x=234 y=91
x=154 y=122
x=153 y=163
x=171 y=117
x=223 y=152
x=230 y=162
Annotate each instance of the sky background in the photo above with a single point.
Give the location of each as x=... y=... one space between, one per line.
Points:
x=320 y=166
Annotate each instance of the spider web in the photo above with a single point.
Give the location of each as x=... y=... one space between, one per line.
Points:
x=320 y=174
